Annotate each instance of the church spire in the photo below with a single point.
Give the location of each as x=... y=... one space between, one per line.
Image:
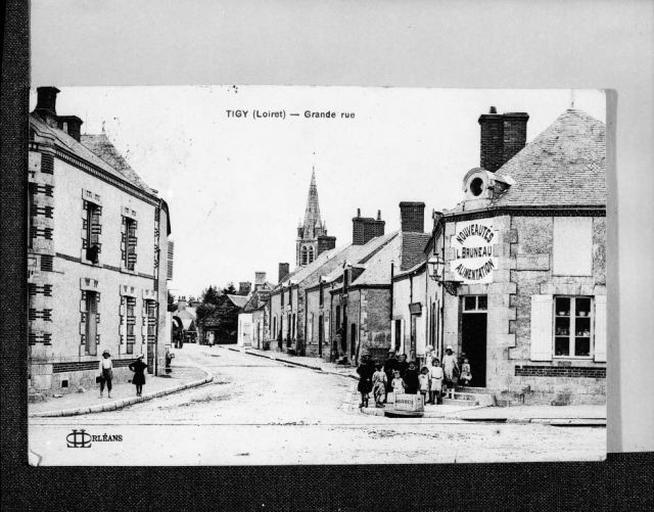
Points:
x=312 y=211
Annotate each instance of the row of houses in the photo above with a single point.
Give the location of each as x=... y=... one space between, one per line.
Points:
x=99 y=256
x=514 y=276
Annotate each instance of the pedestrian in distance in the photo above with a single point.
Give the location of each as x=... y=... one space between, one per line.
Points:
x=435 y=381
x=379 y=381
x=106 y=373
x=402 y=364
x=389 y=367
x=450 y=368
x=423 y=380
x=466 y=374
x=365 y=371
x=411 y=381
x=138 y=367
x=397 y=384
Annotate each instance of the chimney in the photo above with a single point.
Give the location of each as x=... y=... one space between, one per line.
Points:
x=412 y=217
x=326 y=243
x=515 y=133
x=181 y=304
x=46 y=100
x=365 y=229
x=72 y=125
x=502 y=136
x=259 y=279
x=244 y=287
x=283 y=271
x=357 y=229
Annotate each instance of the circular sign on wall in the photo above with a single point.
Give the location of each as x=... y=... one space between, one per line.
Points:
x=474 y=251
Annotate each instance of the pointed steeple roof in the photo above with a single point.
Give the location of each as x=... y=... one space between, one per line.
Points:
x=312 y=210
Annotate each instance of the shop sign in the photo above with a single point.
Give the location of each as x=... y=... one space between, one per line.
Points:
x=415 y=308
x=474 y=245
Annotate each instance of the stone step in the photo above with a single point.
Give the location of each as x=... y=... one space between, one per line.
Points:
x=455 y=401
x=469 y=389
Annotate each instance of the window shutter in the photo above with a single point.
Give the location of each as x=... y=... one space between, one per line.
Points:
x=402 y=327
x=541 y=328
x=600 y=328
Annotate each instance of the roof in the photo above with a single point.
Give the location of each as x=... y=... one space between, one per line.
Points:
x=356 y=254
x=413 y=249
x=102 y=146
x=563 y=166
x=238 y=300
x=105 y=159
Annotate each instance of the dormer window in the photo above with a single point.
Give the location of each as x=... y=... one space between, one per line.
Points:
x=476 y=186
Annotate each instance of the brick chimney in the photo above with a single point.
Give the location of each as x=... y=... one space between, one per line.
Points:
x=283 y=271
x=412 y=217
x=46 y=102
x=72 y=125
x=502 y=136
x=365 y=229
x=244 y=287
x=259 y=279
x=326 y=243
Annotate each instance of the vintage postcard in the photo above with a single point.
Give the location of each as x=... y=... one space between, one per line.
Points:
x=268 y=275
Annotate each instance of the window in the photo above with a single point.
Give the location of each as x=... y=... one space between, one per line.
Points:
x=128 y=243
x=572 y=326
x=310 y=254
x=475 y=303
x=476 y=186
x=92 y=230
x=304 y=255
x=128 y=319
x=281 y=295
x=91 y=322
x=150 y=320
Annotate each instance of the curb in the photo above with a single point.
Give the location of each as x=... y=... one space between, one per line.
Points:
x=119 y=404
x=294 y=363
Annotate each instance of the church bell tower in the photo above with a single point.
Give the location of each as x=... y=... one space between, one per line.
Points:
x=312 y=237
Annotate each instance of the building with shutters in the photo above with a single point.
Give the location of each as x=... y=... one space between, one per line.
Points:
x=518 y=268
x=253 y=322
x=98 y=260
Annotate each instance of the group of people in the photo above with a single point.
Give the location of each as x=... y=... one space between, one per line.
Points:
x=107 y=373
x=399 y=376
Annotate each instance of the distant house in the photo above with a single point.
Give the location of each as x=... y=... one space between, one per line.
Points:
x=221 y=325
x=253 y=322
x=186 y=318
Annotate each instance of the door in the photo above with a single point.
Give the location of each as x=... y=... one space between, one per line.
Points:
x=473 y=345
x=412 y=340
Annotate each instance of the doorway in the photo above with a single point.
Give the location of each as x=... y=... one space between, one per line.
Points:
x=321 y=334
x=473 y=337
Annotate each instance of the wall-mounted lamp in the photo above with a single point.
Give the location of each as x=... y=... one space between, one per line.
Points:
x=436 y=267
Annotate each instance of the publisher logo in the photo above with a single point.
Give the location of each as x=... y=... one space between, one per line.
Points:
x=80 y=438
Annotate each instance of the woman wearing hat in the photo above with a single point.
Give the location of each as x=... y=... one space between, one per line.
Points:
x=450 y=367
x=138 y=367
x=106 y=373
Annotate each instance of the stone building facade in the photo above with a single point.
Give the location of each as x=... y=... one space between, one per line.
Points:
x=522 y=284
x=97 y=256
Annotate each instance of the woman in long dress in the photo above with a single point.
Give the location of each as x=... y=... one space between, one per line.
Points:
x=138 y=367
x=450 y=367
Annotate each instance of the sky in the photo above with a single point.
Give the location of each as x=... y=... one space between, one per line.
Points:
x=237 y=186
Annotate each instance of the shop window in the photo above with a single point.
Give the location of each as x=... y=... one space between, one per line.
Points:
x=572 y=326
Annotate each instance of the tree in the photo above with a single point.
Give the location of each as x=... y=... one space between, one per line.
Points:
x=208 y=302
x=229 y=289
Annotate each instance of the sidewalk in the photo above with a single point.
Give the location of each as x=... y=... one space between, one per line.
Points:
x=314 y=363
x=570 y=415
x=122 y=394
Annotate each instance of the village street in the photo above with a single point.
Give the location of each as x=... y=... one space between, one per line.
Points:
x=258 y=411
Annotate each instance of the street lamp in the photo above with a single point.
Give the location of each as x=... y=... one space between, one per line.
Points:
x=436 y=266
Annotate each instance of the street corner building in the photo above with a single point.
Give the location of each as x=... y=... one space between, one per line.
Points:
x=98 y=256
x=517 y=271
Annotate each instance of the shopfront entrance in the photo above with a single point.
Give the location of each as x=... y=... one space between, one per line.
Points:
x=473 y=336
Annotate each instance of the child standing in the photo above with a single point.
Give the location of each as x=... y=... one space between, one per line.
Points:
x=379 y=385
x=466 y=375
x=398 y=383
x=423 y=380
x=436 y=384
